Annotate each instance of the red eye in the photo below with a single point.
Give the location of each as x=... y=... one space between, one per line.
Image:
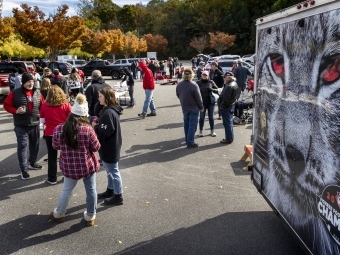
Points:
x=278 y=64
x=332 y=72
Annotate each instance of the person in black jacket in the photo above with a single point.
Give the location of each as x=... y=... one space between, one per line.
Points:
x=130 y=83
x=206 y=86
x=217 y=76
x=109 y=135
x=91 y=92
x=226 y=103
x=200 y=70
x=60 y=80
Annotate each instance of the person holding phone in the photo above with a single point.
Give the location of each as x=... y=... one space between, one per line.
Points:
x=25 y=103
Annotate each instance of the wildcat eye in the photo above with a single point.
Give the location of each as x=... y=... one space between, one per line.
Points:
x=330 y=68
x=278 y=64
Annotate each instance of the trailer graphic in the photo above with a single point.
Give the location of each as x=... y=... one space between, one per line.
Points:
x=296 y=148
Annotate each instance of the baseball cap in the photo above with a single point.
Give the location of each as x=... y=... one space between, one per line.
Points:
x=206 y=73
x=230 y=74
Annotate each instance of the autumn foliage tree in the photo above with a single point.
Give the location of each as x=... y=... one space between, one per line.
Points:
x=199 y=43
x=130 y=44
x=95 y=42
x=6 y=29
x=116 y=41
x=56 y=33
x=156 y=43
x=221 y=41
x=142 y=46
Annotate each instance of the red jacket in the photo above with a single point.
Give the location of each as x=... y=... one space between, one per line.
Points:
x=148 y=80
x=54 y=115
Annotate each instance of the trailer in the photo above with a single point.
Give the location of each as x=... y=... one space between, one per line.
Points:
x=296 y=121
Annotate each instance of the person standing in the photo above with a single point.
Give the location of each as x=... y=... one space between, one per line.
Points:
x=241 y=74
x=92 y=91
x=60 y=80
x=11 y=78
x=190 y=98
x=74 y=81
x=217 y=76
x=78 y=145
x=25 y=103
x=53 y=112
x=226 y=103
x=109 y=134
x=17 y=80
x=206 y=86
x=45 y=86
x=36 y=77
x=148 y=86
x=130 y=84
x=200 y=70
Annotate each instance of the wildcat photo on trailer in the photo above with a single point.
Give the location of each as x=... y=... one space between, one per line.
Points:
x=297 y=121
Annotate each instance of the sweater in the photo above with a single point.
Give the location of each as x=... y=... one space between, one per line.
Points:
x=189 y=95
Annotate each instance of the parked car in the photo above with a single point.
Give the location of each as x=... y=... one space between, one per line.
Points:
x=63 y=67
x=124 y=62
x=227 y=65
x=76 y=62
x=249 y=59
x=234 y=57
x=107 y=69
x=5 y=69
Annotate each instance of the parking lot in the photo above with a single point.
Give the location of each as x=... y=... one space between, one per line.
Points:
x=176 y=201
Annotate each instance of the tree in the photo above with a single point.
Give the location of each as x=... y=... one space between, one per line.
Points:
x=14 y=47
x=116 y=41
x=130 y=45
x=221 y=41
x=156 y=43
x=95 y=43
x=199 y=43
x=79 y=53
x=54 y=34
x=6 y=29
x=142 y=46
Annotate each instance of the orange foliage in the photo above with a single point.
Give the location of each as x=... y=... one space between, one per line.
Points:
x=95 y=42
x=221 y=41
x=199 y=43
x=156 y=43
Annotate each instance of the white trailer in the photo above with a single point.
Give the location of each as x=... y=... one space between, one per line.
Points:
x=296 y=126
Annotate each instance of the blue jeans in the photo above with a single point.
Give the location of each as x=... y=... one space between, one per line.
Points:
x=210 y=108
x=190 y=118
x=27 y=137
x=227 y=119
x=114 y=180
x=148 y=101
x=91 y=194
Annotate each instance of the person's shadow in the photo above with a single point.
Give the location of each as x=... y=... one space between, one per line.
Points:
x=24 y=232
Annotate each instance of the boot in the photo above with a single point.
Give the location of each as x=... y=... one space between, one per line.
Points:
x=89 y=219
x=115 y=200
x=107 y=194
x=57 y=217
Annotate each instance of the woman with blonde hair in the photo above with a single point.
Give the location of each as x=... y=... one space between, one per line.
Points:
x=53 y=112
x=109 y=134
x=74 y=81
x=45 y=86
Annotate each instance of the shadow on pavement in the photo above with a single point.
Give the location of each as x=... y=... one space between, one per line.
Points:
x=231 y=233
x=17 y=234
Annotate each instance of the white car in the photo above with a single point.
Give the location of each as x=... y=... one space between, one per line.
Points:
x=227 y=65
x=250 y=59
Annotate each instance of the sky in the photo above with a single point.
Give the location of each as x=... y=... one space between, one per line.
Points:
x=49 y=6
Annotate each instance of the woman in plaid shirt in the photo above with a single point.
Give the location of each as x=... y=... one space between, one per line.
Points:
x=78 y=144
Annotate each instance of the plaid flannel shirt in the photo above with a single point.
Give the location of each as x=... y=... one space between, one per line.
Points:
x=81 y=163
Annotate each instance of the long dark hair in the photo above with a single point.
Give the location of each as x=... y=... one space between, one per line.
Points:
x=71 y=128
x=109 y=96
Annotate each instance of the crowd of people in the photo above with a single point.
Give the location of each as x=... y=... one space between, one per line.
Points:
x=92 y=124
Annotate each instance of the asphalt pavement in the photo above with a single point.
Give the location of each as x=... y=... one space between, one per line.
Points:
x=176 y=200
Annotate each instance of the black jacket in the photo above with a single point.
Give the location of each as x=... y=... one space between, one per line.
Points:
x=128 y=78
x=206 y=86
x=109 y=133
x=61 y=82
x=228 y=95
x=217 y=77
x=92 y=93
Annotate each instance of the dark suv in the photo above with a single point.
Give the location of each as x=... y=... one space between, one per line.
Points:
x=107 y=69
x=63 y=67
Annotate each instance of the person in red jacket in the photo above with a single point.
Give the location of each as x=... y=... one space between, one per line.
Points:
x=25 y=103
x=148 y=86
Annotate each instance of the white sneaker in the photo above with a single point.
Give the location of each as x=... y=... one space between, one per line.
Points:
x=200 y=134
x=213 y=134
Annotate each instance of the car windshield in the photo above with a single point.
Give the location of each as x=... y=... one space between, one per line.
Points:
x=225 y=64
